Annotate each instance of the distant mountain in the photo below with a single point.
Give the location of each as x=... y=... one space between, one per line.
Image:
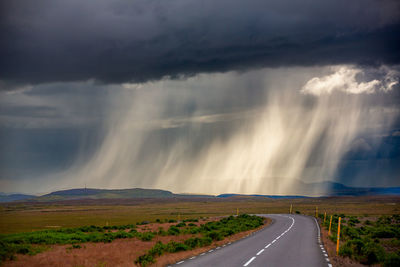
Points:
x=336 y=189
x=91 y=193
x=15 y=197
x=268 y=196
x=298 y=189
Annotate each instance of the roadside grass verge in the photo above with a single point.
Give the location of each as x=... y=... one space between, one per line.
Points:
x=367 y=241
x=32 y=243
x=209 y=232
x=35 y=242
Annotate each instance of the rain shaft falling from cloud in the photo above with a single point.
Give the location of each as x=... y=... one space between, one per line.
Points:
x=173 y=134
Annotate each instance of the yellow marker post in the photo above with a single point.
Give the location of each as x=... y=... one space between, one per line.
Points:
x=237 y=212
x=290 y=208
x=316 y=211
x=330 y=223
x=338 y=237
x=324 y=216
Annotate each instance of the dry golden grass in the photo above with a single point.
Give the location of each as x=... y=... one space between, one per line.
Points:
x=28 y=217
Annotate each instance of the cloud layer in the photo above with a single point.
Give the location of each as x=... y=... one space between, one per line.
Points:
x=184 y=135
x=344 y=79
x=134 y=41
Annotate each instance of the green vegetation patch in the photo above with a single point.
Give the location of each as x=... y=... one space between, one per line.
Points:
x=366 y=241
x=210 y=231
x=34 y=242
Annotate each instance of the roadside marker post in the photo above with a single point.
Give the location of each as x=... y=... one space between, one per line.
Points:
x=324 y=216
x=316 y=212
x=330 y=224
x=237 y=211
x=338 y=237
x=290 y=209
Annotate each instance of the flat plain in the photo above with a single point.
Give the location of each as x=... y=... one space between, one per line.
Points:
x=31 y=216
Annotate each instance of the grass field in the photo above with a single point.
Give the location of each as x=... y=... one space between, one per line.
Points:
x=367 y=240
x=25 y=217
x=84 y=226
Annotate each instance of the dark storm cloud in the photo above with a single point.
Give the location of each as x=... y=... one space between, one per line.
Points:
x=121 y=41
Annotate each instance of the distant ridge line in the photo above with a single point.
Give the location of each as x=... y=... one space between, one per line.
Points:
x=306 y=190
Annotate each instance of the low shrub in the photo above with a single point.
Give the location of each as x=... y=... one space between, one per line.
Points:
x=384 y=232
x=392 y=260
x=190 y=220
x=372 y=253
x=173 y=230
x=193 y=242
x=182 y=224
x=215 y=235
x=161 y=231
x=173 y=246
x=158 y=249
x=146 y=236
x=145 y=260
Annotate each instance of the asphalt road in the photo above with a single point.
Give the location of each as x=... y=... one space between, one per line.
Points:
x=291 y=240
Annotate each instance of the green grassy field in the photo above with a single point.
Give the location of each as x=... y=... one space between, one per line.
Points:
x=368 y=240
x=16 y=218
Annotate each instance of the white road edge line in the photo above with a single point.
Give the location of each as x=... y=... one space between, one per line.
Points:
x=249 y=261
x=322 y=247
x=180 y=262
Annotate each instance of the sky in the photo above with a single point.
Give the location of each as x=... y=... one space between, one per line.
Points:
x=199 y=96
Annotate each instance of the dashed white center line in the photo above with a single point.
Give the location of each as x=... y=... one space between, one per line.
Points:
x=180 y=262
x=273 y=241
x=211 y=250
x=202 y=254
x=249 y=261
x=192 y=257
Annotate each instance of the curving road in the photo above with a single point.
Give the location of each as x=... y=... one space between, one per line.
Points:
x=291 y=240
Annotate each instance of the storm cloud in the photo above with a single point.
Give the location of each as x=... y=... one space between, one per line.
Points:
x=247 y=96
x=135 y=41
